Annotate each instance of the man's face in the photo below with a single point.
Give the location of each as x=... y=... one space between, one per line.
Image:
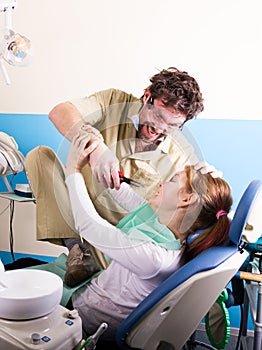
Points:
x=156 y=120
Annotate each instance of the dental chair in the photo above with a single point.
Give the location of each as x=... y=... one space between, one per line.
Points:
x=169 y=316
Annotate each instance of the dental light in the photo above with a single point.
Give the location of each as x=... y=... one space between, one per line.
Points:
x=14 y=48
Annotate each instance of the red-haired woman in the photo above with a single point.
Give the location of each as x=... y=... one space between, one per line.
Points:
x=149 y=243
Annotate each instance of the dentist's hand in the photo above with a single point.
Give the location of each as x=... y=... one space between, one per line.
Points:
x=105 y=166
x=206 y=168
x=83 y=144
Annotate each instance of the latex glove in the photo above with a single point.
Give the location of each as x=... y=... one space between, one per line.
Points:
x=83 y=144
x=206 y=168
x=105 y=166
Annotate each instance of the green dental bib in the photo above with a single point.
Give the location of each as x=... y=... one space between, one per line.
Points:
x=143 y=225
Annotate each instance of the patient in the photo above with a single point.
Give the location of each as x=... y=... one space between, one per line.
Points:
x=149 y=243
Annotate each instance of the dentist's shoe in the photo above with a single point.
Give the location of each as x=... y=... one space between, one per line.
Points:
x=80 y=266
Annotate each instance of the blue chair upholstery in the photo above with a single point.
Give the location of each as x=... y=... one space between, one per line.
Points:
x=172 y=312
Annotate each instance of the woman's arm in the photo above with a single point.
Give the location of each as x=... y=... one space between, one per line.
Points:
x=126 y=197
x=134 y=255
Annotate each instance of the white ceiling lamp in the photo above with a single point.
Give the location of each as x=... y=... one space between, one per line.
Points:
x=14 y=48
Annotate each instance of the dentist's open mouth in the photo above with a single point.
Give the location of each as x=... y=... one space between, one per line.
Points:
x=156 y=133
x=151 y=130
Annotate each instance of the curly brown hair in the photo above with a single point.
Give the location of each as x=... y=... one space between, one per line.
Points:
x=177 y=89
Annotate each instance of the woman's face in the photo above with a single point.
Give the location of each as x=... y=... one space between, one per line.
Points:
x=170 y=193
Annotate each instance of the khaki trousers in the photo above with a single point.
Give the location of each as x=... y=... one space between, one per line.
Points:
x=54 y=218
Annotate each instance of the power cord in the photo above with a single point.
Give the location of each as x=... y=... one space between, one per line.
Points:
x=7 y=147
x=240 y=328
x=11 y=207
x=11 y=235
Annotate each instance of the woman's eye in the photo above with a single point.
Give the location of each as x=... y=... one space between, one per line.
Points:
x=174 y=179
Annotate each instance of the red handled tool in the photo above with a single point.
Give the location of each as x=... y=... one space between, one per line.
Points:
x=128 y=180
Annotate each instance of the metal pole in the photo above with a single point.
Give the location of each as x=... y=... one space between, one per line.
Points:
x=258 y=322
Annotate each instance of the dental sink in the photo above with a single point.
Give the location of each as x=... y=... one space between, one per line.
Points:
x=31 y=316
x=27 y=294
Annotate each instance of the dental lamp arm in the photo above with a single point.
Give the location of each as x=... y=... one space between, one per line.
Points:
x=14 y=48
x=6 y=7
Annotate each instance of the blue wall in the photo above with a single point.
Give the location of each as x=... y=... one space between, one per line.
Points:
x=233 y=146
x=29 y=131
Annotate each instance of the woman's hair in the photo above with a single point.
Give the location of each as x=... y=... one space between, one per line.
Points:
x=215 y=200
x=178 y=90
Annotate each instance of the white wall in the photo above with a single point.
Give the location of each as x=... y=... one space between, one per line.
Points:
x=24 y=237
x=82 y=46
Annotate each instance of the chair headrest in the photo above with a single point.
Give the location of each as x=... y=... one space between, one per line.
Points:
x=193 y=236
x=248 y=209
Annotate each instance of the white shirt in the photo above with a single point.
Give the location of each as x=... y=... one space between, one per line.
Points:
x=137 y=268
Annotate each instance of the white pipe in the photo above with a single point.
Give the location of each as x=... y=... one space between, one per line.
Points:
x=4 y=72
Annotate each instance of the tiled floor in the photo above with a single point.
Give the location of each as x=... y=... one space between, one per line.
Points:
x=233 y=340
x=201 y=336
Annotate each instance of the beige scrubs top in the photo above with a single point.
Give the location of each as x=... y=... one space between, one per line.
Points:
x=111 y=112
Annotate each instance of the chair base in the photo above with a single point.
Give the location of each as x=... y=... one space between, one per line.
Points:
x=192 y=344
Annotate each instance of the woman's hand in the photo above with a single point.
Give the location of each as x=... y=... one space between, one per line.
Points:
x=88 y=148
x=83 y=144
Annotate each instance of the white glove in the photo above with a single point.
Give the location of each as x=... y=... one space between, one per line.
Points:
x=105 y=166
x=206 y=168
x=82 y=145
